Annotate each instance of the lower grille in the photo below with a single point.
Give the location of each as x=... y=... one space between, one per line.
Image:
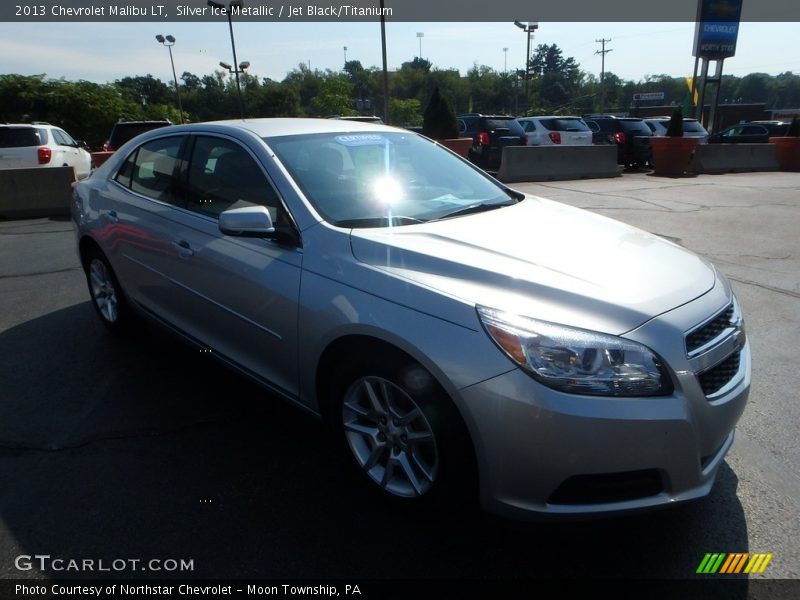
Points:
x=718 y=377
x=608 y=487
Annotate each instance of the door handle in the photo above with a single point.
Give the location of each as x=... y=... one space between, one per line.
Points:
x=183 y=248
x=110 y=216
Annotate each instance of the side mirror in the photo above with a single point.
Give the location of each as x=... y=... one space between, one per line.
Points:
x=82 y=144
x=249 y=221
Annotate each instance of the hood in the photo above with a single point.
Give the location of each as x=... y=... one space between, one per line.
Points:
x=544 y=260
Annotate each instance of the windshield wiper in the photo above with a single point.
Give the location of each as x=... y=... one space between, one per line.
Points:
x=474 y=208
x=378 y=222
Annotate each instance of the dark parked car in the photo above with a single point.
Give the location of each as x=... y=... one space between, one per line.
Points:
x=743 y=133
x=124 y=131
x=490 y=134
x=631 y=135
x=775 y=128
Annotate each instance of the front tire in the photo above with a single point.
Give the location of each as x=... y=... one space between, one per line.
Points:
x=403 y=433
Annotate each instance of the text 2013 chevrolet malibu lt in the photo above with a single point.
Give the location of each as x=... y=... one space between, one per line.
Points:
x=461 y=337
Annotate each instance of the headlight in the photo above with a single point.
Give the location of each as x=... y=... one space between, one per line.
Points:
x=575 y=360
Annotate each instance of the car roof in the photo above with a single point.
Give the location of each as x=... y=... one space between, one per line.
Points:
x=275 y=127
x=551 y=117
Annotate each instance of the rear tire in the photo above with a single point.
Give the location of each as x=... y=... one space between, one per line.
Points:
x=107 y=296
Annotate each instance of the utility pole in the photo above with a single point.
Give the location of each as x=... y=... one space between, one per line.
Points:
x=603 y=53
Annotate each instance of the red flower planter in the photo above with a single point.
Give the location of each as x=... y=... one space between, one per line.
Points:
x=787 y=150
x=671 y=155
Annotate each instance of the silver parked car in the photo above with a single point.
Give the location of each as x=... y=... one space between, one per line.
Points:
x=464 y=339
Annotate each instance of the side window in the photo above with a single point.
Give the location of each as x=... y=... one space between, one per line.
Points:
x=68 y=141
x=154 y=169
x=223 y=175
x=60 y=138
x=462 y=127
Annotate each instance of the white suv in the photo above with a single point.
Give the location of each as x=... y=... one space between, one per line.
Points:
x=41 y=145
x=548 y=131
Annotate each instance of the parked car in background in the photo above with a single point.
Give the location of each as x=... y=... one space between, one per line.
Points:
x=631 y=135
x=464 y=341
x=490 y=134
x=691 y=127
x=775 y=128
x=127 y=130
x=122 y=132
x=24 y=145
x=547 y=131
x=743 y=133
x=360 y=118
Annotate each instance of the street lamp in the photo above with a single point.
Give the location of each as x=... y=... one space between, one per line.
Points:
x=229 y=12
x=420 y=35
x=528 y=28
x=169 y=42
x=243 y=66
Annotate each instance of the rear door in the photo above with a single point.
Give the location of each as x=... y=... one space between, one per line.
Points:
x=69 y=153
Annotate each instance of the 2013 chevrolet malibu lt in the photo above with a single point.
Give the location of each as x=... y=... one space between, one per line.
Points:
x=464 y=340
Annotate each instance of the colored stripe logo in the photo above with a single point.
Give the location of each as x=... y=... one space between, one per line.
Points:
x=732 y=563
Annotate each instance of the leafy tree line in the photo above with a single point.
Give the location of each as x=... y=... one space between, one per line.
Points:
x=556 y=85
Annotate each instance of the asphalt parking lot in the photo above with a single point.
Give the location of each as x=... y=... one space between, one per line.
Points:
x=143 y=448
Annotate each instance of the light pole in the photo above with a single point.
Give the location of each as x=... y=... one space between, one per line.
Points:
x=528 y=28
x=243 y=66
x=169 y=42
x=345 y=55
x=385 y=67
x=229 y=12
x=505 y=61
x=420 y=35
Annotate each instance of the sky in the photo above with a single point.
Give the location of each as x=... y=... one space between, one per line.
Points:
x=103 y=52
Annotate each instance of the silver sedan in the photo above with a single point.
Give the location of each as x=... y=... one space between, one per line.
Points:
x=464 y=340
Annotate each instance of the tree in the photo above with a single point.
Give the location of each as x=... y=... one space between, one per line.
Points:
x=439 y=120
x=556 y=78
x=405 y=112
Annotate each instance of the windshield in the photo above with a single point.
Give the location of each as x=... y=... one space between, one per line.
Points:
x=381 y=179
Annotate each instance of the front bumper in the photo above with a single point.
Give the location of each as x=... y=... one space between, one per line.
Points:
x=544 y=452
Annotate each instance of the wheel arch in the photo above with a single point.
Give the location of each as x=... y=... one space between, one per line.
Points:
x=366 y=345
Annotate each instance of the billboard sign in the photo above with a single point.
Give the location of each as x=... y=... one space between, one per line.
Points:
x=717 y=28
x=646 y=96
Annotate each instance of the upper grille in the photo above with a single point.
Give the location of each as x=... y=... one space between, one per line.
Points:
x=708 y=331
x=717 y=377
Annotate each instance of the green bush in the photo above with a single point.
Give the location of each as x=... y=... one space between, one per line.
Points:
x=794 y=128
x=675 y=128
x=439 y=120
